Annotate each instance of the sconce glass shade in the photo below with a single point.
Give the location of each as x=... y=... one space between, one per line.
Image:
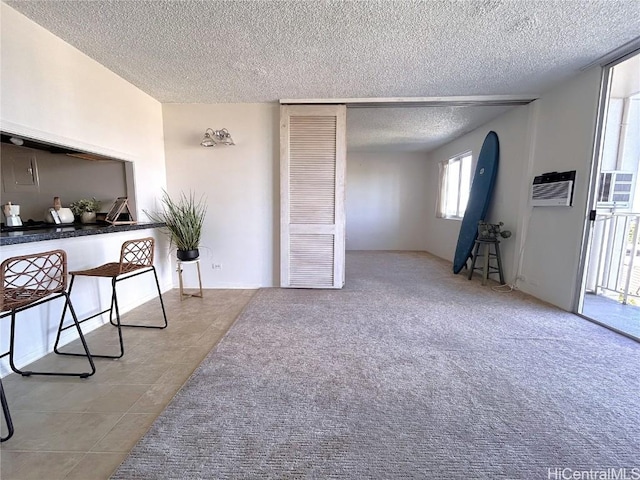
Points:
x=208 y=141
x=225 y=137
x=216 y=137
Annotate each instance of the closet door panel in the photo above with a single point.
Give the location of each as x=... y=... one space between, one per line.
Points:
x=313 y=167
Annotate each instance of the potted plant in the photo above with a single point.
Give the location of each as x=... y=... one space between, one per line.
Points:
x=86 y=209
x=183 y=218
x=491 y=231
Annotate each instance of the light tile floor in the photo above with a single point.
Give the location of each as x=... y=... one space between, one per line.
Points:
x=71 y=428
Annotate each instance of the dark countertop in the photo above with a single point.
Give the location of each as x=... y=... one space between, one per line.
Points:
x=54 y=232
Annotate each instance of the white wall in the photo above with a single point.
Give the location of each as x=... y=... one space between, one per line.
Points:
x=555 y=133
x=52 y=92
x=240 y=183
x=564 y=141
x=386 y=203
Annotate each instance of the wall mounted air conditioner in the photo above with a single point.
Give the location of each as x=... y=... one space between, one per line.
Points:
x=615 y=189
x=553 y=189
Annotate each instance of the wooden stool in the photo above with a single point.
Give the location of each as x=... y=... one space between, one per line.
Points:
x=487 y=268
x=188 y=262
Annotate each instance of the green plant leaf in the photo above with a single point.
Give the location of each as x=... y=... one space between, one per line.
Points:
x=85 y=205
x=183 y=218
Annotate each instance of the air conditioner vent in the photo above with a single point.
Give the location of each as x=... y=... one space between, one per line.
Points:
x=553 y=189
x=615 y=189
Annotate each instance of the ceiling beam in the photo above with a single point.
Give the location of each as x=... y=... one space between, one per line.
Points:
x=455 y=101
x=617 y=55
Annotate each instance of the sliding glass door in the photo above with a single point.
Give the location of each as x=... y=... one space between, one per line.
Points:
x=611 y=286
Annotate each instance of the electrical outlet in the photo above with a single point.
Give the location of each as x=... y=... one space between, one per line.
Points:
x=216 y=266
x=521 y=278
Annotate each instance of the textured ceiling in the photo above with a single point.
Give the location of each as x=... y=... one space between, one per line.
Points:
x=412 y=129
x=262 y=51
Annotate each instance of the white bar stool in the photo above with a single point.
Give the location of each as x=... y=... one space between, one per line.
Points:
x=179 y=268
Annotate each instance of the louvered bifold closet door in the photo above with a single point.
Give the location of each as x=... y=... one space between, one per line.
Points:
x=313 y=167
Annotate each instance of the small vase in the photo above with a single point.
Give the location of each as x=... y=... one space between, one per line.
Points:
x=188 y=255
x=88 y=217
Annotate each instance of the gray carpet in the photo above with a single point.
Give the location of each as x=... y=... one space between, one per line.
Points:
x=409 y=372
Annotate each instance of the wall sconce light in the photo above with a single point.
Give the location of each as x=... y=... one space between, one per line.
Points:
x=216 y=137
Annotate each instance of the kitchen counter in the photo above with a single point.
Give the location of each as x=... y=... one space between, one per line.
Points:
x=54 y=232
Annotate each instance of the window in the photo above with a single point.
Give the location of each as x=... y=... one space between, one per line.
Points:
x=455 y=183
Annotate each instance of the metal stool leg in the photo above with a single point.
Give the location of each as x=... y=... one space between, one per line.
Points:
x=114 y=319
x=76 y=323
x=6 y=413
x=61 y=328
x=164 y=313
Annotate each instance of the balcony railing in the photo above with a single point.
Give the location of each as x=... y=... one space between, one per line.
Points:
x=616 y=255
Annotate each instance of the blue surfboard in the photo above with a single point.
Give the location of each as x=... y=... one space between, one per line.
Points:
x=480 y=195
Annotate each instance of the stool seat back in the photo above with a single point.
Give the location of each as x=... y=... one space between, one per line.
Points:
x=27 y=279
x=136 y=254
